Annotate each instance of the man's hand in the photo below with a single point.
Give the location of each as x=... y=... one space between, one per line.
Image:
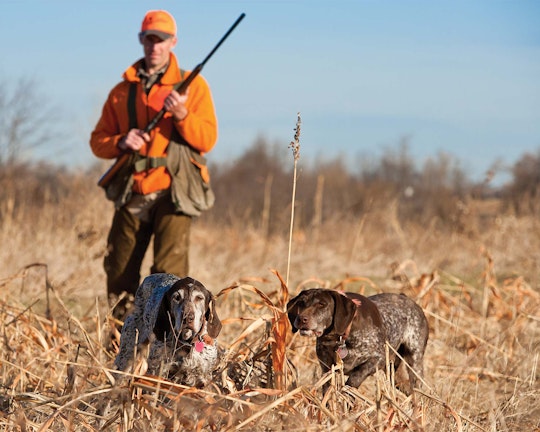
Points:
x=134 y=140
x=175 y=103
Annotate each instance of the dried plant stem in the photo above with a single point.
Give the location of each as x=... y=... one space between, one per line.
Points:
x=295 y=146
x=267 y=408
x=317 y=209
x=265 y=222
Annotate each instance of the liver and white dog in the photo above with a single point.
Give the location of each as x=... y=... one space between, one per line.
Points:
x=177 y=317
x=356 y=328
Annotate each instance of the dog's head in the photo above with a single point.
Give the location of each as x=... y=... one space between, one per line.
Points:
x=318 y=311
x=187 y=310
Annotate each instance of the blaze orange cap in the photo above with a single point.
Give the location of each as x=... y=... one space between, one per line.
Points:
x=158 y=22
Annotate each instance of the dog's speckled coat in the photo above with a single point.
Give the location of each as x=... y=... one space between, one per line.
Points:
x=177 y=317
x=355 y=328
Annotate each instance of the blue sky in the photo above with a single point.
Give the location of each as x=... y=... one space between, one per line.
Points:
x=459 y=77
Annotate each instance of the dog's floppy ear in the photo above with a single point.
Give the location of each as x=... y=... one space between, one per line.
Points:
x=292 y=311
x=162 y=326
x=164 y=323
x=344 y=312
x=213 y=323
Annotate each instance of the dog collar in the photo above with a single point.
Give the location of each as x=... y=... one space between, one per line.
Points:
x=341 y=348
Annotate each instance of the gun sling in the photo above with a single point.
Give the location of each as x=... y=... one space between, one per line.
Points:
x=141 y=163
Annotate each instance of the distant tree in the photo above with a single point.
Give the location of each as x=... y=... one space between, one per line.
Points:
x=523 y=194
x=398 y=166
x=440 y=187
x=246 y=186
x=25 y=117
x=26 y=122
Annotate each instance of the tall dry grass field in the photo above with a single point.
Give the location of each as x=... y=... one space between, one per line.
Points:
x=479 y=291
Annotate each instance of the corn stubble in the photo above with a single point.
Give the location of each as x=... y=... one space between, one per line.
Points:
x=58 y=338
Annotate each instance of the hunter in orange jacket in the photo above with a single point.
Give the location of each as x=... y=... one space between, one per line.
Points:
x=199 y=128
x=149 y=203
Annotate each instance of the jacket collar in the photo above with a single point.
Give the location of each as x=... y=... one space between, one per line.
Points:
x=170 y=77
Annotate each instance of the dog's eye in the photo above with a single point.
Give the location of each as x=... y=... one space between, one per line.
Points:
x=199 y=298
x=321 y=304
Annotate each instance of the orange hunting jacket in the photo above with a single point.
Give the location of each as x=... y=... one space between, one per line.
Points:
x=199 y=128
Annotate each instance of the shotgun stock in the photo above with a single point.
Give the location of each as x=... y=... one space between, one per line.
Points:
x=181 y=88
x=107 y=177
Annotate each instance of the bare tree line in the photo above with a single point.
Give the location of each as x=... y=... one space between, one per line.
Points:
x=26 y=117
x=255 y=188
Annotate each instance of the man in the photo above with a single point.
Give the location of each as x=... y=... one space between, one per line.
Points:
x=148 y=208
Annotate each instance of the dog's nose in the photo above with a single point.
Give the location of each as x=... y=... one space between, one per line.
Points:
x=189 y=317
x=303 y=319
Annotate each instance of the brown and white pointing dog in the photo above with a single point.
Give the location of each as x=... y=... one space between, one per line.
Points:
x=177 y=317
x=355 y=328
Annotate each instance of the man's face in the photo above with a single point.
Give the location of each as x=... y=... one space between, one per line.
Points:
x=157 y=51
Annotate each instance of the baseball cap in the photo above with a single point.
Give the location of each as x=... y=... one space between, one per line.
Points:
x=158 y=22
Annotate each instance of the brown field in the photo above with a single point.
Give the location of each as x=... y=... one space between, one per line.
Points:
x=478 y=287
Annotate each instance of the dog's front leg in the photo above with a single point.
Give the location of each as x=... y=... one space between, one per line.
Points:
x=157 y=356
x=361 y=372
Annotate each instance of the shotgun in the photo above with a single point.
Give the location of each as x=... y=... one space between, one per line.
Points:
x=181 y=88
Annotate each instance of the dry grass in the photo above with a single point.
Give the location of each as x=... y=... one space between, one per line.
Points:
x=481 y=368
x=480 y=293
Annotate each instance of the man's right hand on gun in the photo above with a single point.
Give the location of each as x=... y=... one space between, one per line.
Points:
x=134 y=140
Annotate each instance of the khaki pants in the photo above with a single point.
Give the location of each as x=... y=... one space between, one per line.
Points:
x=128 y=241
